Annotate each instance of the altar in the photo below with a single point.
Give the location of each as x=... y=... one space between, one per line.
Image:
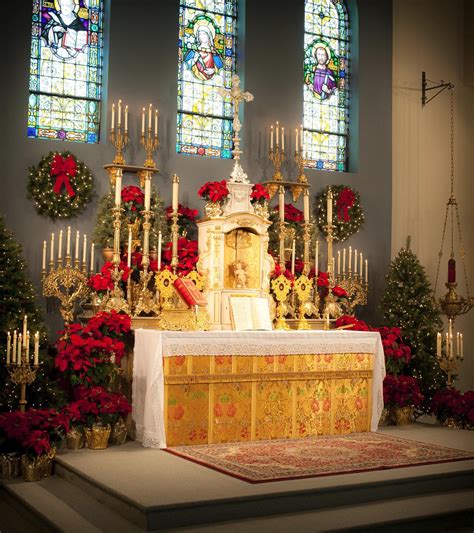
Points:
x=227 y=386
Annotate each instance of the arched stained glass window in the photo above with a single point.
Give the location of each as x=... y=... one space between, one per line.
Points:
x=207 y=56
x=326 y=88
x=66 y=70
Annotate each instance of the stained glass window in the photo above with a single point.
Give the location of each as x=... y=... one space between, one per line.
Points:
x=326 y=89
x=207 y=52
x=66 y=70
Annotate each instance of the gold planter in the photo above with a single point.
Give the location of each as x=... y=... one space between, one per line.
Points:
x=107 y=254
x=403 y=415
x=213 y=209
x=33 y=469
x=261 y=209
x=385 y=418
x=119 y=433
x=450 y=422
x=48 y=463
x=75 y=439
x=97 y=437
x=10 y=465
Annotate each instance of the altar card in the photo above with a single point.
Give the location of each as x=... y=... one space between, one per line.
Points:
x=250 y=313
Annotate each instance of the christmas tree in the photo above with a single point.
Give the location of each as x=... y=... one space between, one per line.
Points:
x=408 y=303
x=17 y=299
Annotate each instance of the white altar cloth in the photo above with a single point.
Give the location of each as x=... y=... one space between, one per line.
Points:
x=151 y=346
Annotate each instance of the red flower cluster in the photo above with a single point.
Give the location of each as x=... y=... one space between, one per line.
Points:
x=102 y=282
x=98 y=406
x=356 y=325
x=278 y=271
x=214 y=191
x=259 y=194
x=339 y=292
x=187 y=255
x=323 y=279
x=35 y=431
x=451 y=403
x=132 y=198
x=397 y=353
x=401 y=391
x=183 y=212
x=88 y=354
x=292 y=213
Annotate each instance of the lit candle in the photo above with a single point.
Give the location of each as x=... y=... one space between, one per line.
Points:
x=277 y=134
x=159 y=249
x=350 y=258
x=51 y=253
x=458 y=344
x=84 y=252
x=14 y=347
x=283 y=139
x=333 y=265
x=112 y=127
x=329 y=208
x=150 y=108
x=293 y=257
x=366 y=271
x=25 y=328
x=462 y=346
x=361 y=263
x=126 y=118
x=174 y=204
x=119 y=121
x=27 y=346
x=129 y=254
x=9 y=341
x=143 y=121
x=147 y=194
x=306 y=204
x=68 y=241
x=301 y=139
x=36 y=356
x=438 y=344
x=316 y=258
x=43 y=265
x=18 y=355
x=156 y=122
x=118 y=189
x=92 y=258
x=296 y=141
x=60 y=245
x=281 y=203
x=446 y=341
x=355 y=261
x=338 y=262
x=76 y=254
x=271 y=137
x=344 y=261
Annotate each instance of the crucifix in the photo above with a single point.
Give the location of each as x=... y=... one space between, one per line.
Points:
x=236 y=96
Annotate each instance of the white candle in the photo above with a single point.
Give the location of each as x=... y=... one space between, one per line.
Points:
x=458 y=344
x=462 y=347
x=271 y=137
x=76 y=254
x=329 y=208
x=18 y=355
x=60 y=245
x=159 y=249
x=119 y=121
x=112 y=127
x=126 y=118
x=296 y=141
x=350 y=258
x=277 y=134
x=175 y=192
x=293 y=257
x=143 y=121
x=51 y=253
x=27 y=346
x=355 y=261
x=156 y=122
x=84 y=252
x=344 y=261
x=338 y=262
x=9 y=341
x=150 y=107
x=361 y=263
x=438 y=344
x=147 y=194
x=333 y=265
x=316 y=259
x=14 y=347
x=283 y=139
x=281 y=203
x=25 y=328
x=43 y=265
x=306 y=205
x=366 y=271
x=327 y=320
x=36 y=356
x=68 y=241
x=92 y=258
x=129 y=254
x=118 y=189
x=301 y=139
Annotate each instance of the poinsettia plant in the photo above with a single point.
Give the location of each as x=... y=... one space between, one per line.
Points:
x=102 y=282
x=351 y=322
x=186 y=219
x=401 y=391
x=99 y=406
x=259 y=194
x=188 y=255
x=214 y=191
x=397 y=353
x=452 y=404
x=133 y=201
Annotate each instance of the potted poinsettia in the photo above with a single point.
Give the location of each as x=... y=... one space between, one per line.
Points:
x=186 y=219
x=259 y=198
x=401 y=394
x=215 y=193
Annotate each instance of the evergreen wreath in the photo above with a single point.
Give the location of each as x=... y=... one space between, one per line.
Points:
x=60 y=185
x=348 y=216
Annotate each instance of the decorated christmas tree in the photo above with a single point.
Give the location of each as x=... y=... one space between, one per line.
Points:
x=408 y=303
x=17 y=299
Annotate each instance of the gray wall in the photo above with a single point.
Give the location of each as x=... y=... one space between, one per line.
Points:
x=143 y=68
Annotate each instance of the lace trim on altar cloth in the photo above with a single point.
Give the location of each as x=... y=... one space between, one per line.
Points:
x=149 y=439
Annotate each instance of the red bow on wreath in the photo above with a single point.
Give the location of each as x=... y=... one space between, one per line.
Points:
x=64 y=168
x=344 y=202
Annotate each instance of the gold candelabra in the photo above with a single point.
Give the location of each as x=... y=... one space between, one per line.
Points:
x=449 y=355
x=302 y=180
x=276 y=156
x=118 y=137
x=150 y=143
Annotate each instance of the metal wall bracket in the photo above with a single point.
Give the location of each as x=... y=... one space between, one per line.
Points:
x=439 y=87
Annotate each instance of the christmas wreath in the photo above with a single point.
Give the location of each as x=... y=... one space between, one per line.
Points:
x=348 y=216
x=60 y=185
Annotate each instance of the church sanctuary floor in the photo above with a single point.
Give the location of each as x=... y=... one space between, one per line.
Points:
x=131 y=488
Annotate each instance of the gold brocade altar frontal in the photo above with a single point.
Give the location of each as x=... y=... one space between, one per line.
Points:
x=210 y=399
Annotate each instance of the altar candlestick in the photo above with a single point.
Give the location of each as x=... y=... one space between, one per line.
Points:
x=76 y=254
x=156 y=122
x=458 y=344
x=143 y=121
x=293 y=257
x=350 y=258
x=25 y=328
x=271 y=137
x=438 y=344
x=301 y=139
x=150 y=108
x=68 y=241
x=175 y=192
x=18 y=355
x=329 y=209
x=14 y=347
x=84 y=252
x=147 y=194
x=283 y=139
x=126 y=119
x=355 y=261
x=344 y=261
x=366 y=271
x=51 y=252
x=361 y=264
x=43 y=265
x=9 y=341
x=36 y=355
x=159 y=249
x=60 y=245
x=461 y=355
x=306 y=205
x=112 y=126
x=277 y=134
x=316 y=259
x=119 y=121
x=339 y=262
x=92 y=258
x=118 y=189
x=129 y=254
x=296 y=141
x=27 y=347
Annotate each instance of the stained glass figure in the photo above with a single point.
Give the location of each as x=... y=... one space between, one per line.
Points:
x=207 y=57
x=66 y=70
x=326 y=89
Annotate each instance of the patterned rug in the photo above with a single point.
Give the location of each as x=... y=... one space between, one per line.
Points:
x=277 y=460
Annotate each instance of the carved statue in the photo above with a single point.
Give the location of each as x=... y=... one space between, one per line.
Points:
x=239 y=271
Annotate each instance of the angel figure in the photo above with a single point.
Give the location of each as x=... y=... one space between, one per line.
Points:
x=239 y=271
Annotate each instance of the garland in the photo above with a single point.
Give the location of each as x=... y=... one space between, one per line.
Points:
x=348 y=216
x=60 y=185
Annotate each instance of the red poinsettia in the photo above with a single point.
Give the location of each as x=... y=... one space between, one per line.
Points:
x=292 y=214
x=103 y=282
x=278 y=271
x=214 y=191
x=187 y=255
x=259 y=194
x=451 y=403
x=339 y=292
x=133 y=200
x=397 y=353
x=186 y=218
x=353 y=322
x=401 y=391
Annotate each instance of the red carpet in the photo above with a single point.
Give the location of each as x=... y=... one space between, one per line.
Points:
x=276 y=460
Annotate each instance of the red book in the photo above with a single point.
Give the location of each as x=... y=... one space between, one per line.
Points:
x=189 y=292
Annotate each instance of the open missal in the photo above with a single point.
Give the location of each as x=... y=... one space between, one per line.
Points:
x=250 y=313
x=189 y=292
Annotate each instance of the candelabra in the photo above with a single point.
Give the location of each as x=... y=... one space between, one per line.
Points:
x=174 y=241
x=120 y=141
x=449 y=357
x=302 y=180
x=150 y=143
x=276 y=156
